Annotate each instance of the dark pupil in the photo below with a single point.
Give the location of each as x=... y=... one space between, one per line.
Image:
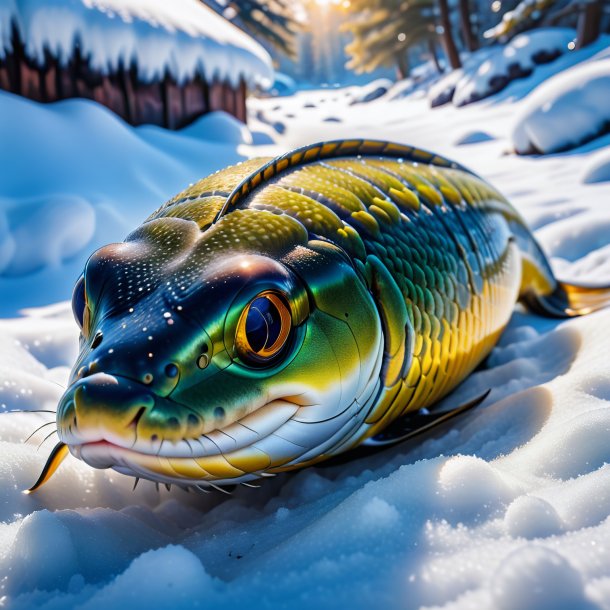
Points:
x=263 y=324
x=78 y=301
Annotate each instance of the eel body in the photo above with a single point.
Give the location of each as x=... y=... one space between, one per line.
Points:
x=283 y=311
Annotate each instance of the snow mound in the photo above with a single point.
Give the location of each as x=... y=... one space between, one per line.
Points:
x=177 y=587
x=531 y=517
x=283 y=85
x=489 y=70
x=537 y=577
x=473 y=137
x=219 y=127
x=414 y=86
x=63 y=227
x=182 y=37
x=566 y=110
x=597 y=170
x=372 y=91
x=401 y=89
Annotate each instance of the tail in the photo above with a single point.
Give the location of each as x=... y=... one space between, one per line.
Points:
x=541 y=292
x=568 y=300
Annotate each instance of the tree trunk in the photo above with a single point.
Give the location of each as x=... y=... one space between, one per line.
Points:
x=433 y=55
x=240 y=101
x=469 y=38
x=588 y=24
x=402 y=65
x=447 y=36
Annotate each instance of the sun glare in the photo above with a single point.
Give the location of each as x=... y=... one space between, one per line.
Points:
x=343 y=3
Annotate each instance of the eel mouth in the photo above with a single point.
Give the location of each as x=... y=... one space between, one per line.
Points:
x=104 y=424
x=241 y=451
x=273 y=438
x=222 y=459
x=241 y=465
x=110 y=421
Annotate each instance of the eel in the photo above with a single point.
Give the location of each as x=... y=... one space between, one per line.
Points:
x=284 y=311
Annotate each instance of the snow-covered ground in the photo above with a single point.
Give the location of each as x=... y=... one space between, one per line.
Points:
x=508 y=507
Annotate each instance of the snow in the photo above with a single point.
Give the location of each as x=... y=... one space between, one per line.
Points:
x=219 y=127
x=531 y=517
x=565 y=111
x=507 y=507
x=520 y=13
x=183 y=37
x=491 y=69
x=537 y=578
x=473 y=137
x=371 y=91
x=598 y=169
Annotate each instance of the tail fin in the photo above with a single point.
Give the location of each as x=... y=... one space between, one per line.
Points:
x=568 y=300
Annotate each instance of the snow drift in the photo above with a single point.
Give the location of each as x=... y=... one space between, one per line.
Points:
x=565 y=111
x=598 y=169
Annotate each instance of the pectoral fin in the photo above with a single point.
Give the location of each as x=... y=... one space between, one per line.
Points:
x=414 y=424
x=401 y=430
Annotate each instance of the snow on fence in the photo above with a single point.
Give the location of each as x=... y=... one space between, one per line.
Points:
x=149 y=61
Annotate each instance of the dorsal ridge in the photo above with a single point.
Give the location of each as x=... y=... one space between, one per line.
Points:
x=331 y=150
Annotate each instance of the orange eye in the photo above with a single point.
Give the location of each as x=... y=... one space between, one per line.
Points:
x=263 y=328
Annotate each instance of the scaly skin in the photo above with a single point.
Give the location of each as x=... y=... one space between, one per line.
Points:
x=400 y=270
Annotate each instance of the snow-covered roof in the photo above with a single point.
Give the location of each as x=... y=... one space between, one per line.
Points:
x=182 y=36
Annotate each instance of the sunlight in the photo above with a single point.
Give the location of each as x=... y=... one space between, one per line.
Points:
x=343 y=3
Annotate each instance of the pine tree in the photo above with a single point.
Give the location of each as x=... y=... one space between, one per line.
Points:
x=272 y=21
x=385 y=30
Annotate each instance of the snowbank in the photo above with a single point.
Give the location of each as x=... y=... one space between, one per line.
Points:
x=566 y=110
x=489 y=70
x=473 y=137
x=182 y=37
